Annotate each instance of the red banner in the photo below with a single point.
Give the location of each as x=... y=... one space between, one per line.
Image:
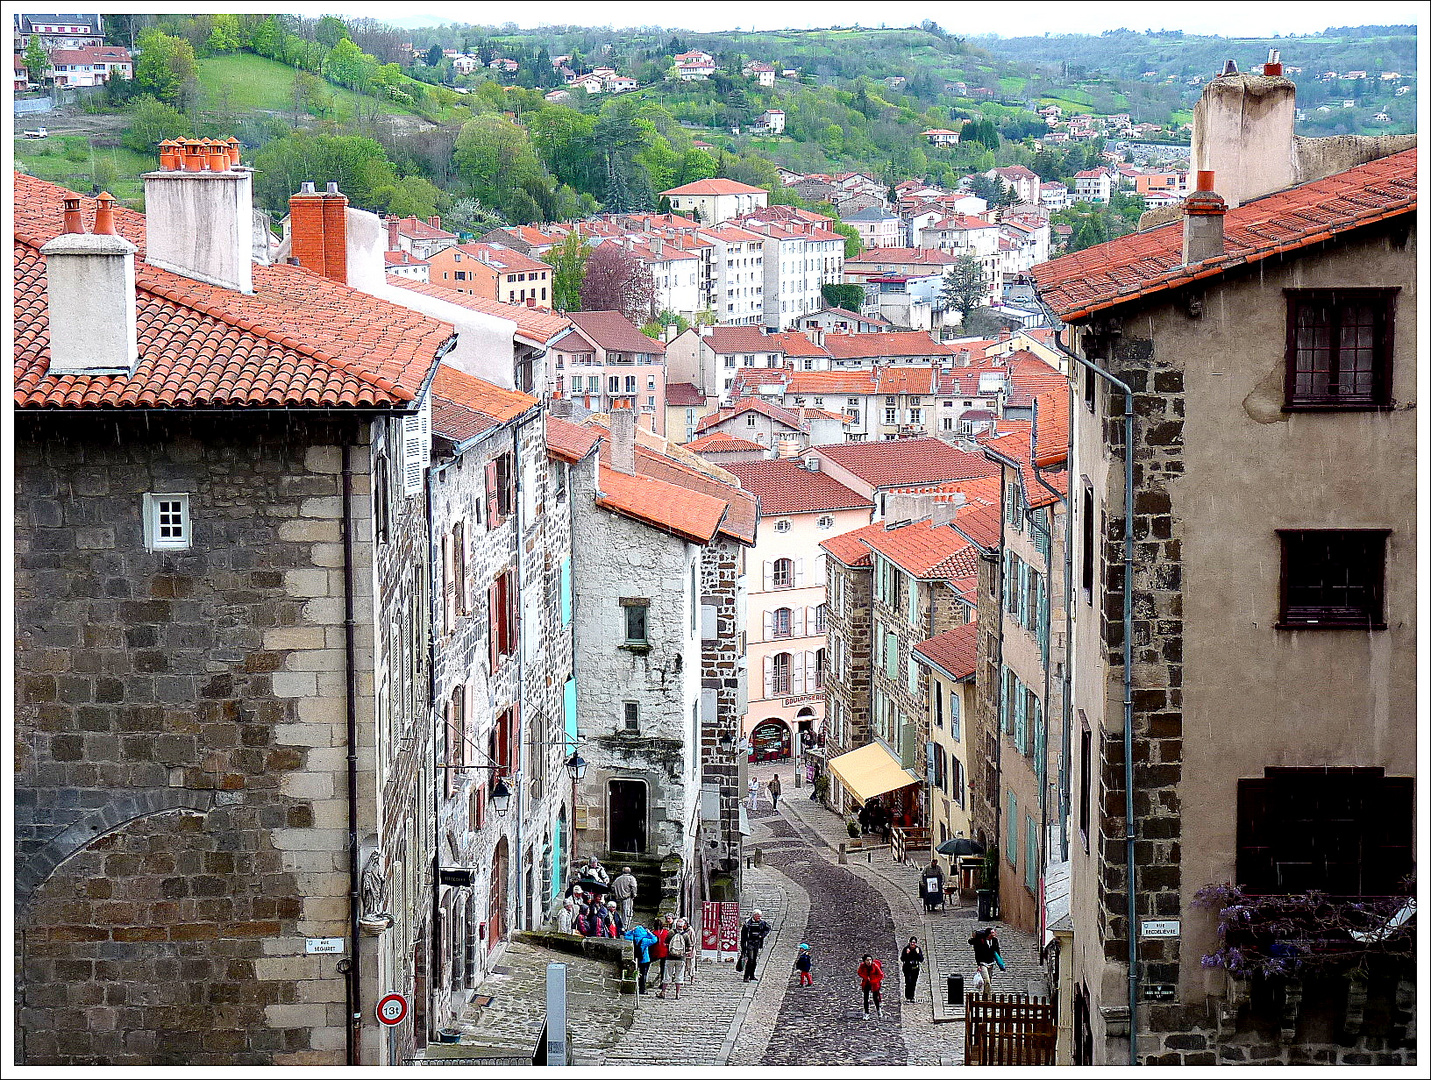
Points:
x=710 y=928
x=729 y=928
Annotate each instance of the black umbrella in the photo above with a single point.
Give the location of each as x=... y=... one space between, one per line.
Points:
x=588 y=885
x=960 y=845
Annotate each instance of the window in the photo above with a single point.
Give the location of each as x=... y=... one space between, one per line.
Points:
x=613 y=384
x=1031 y=849
x=783 y=525
x=783 y=574
x=915 y=416
x=749 y=419
x=502 y=618
x=780 y=623
x=501 y=489
x=631 y=715
x=780 y=673
x=954 y=707
x=166 y=522
x=459 y=568
x=820 y=668
x=1333 y=578
x=1085 y=774
x=635 y=615
x=1344 y=831
x=891 y=416
x=821 y=612
x=1339 y=348
x=1087 y=552
x=1011 y=831
x=825 y=522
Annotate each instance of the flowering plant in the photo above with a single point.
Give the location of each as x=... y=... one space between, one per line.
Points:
x=1302 y=933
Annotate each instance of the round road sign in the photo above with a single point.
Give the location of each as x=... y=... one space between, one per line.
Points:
x=392 y=1010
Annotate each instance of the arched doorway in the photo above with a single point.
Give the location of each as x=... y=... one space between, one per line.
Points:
x=626 y=816
x=770 y=740
x=497 y=896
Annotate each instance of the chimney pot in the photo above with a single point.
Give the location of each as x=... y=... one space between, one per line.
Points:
x=104 y=215
x=74 y=223
x=306 y=188
x=1203 y=214
x=332 y=187
x=200 y=218
x=233 y=151
x=1274 y=63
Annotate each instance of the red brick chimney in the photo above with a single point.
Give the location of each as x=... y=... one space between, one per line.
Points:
x=335 y=234
x=393 y=243
x=318 y=231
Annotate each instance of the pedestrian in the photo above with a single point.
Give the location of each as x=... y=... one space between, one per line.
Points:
x=752 y=939
x=802 y=965
x=641 y=940
x=753 y=790
x=870 y=975
x=658 y=951
x=986 y=955
x=594 y=871
x=623 y=891
x=679 y=946
x=582 y=923
x=814 y=775
x=693 y=954
x=865 y=816
x=566 y=917
x=775 y=792
x=931 y=885
x=910 y=961
x=613 y=916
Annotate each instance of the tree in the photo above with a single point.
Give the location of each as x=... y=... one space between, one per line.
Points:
x=617 y=280
x=224 y=37
x=358 y=165
x=965 y=286
x=987 y=188
x=434 y=56
x=267 y=37
x=151 y=122
x=37 y=61
x=853 y=244
x=849 y=297
x=330 y=31
x=165 y=63
x=568 y=262
x=346 y=64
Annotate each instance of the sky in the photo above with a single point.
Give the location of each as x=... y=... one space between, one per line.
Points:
x=1230 y=19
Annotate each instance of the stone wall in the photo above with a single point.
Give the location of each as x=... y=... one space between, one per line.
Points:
x=723 y=671
x=180 y=763
x=849 y=622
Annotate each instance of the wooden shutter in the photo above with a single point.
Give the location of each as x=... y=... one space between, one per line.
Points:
x=493 y=517
x=797 y=672
x=769 y=567
x=1256 y=835
x=709 y=625
x=768 y=619
x=494 y=627
x=769 y=665
x=415 y=439
x=513 y=612
x=797 y=621
x=459 y=568
x=799 y=572
x=445 y=546
x=449 y=774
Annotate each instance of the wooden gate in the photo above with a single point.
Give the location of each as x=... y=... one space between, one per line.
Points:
x=1008 y=1029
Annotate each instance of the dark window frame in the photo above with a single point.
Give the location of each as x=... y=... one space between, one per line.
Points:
x=1304 y=616
x=630 y=605
x=1337 y=300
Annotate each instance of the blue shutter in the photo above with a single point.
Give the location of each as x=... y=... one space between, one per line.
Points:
x=569 y=714
x=1003 y=699
x=1020 y=717
x=1011 y=831
x=1031 y=854
x=954 y=714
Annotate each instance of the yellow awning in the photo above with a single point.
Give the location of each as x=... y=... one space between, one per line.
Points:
x=869 y=771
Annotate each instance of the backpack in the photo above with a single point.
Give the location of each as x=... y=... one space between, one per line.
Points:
x=676 y=945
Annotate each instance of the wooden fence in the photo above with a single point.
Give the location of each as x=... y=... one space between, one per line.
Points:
x=1008 y=1029
x=903 y=841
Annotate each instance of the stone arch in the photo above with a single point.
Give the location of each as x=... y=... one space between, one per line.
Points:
x=35 y=869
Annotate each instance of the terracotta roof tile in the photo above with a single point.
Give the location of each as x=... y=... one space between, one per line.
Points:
x=534 y=324
x=981 y=525
x=848 y=549
x=689 y=514
x=907 y=461
x=1144 y=263
x=926 y=551
x=614 y=331
x=718 y=442
x=464 y=406
x=716 y=186
x=777 y=413
x=895 y=343
x=299 y=340
x=682 y=393
x=784 y=487
x=570 y=442
x=955 y=652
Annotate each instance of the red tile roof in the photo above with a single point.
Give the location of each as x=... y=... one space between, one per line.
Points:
x=932 y=552
x=783 y=487
x=613 y=331
x=718 y=442
x=848 y=549
x=534 y=324
x=415 y=229
x=846 y=313
x=570 y=442
x=684 y=393
x=498 y=257
x=907 y=461
x=741 y=339
x=982 y=525
x=464 y=406
x=827 y=382
x=1149 y=262
x=752 y=404
x=896 y=343
x=903 y=256
x=906 y=380
x=954 y=652
x=299 y=340
x=715 y=186
x=688 y=514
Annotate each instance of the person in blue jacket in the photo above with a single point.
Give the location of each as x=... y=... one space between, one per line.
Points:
x=642 y=939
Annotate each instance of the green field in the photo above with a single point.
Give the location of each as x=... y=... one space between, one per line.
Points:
x=74 y=163
x=243 y=83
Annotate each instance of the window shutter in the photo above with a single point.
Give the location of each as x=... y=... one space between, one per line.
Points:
x=513 y=612
x=891 y=654
x=769 y=664
x=708 y=708
x=445 y=558
x=492 y=517
x=799 y=572
x=459 y=576
x=769 y=620
x=954 y=715
x=797 y=672
x=709 y=624
x=494 y=628
x=821 y=568
x=797 y=621
x=415 y=447
x=769 y=577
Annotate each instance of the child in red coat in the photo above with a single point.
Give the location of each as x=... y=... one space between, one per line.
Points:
x=871 y=975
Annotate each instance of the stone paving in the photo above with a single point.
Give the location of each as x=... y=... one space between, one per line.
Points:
x=870 y=905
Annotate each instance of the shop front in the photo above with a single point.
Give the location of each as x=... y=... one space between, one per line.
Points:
x=873 y=779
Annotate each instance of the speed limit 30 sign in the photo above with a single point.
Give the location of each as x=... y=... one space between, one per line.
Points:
x=392 y=1010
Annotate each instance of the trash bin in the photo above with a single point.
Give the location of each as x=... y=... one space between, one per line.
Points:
x=956 y=989
x=988 y=905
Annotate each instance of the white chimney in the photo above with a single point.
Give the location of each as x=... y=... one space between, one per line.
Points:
x=623 y=437
x=90 y=293
x=1242 y=130
x=1203 y=213
x=199 y=213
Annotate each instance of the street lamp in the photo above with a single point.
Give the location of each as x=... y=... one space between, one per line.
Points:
x=727 y=743
x=576 y=766
x=501 y=797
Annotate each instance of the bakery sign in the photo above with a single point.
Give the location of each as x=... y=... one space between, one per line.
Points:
x=803 y=699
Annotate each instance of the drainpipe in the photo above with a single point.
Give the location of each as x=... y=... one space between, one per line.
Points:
x=355 y=908
x=1128 y=822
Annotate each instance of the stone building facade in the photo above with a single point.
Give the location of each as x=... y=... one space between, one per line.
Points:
x=206 y=606
x=850 y=632
x=1284 y=721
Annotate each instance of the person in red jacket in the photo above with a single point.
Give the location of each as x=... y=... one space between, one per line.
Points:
x=871 y=975
x=662 y=930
